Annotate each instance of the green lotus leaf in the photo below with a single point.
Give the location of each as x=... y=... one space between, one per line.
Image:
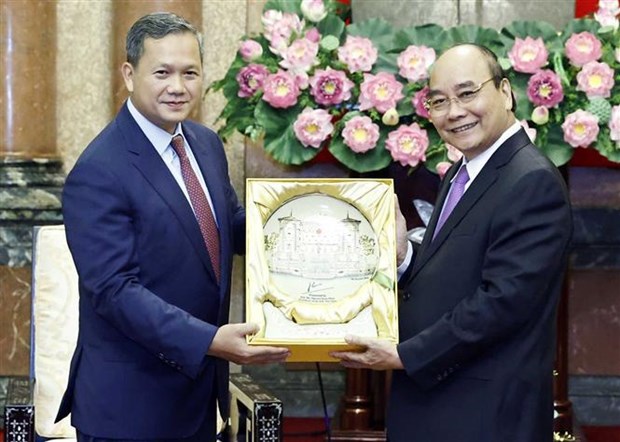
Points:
x=429 y=35
x=556 y=149
x=331 y=25
x=475 y=34
x=376 y=29
x=374 y=159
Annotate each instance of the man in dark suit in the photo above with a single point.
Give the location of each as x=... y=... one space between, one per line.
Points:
x=152 y=222
x=478 y=305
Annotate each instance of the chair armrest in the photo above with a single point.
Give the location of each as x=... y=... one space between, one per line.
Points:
x=254 y=411
x=19 y=411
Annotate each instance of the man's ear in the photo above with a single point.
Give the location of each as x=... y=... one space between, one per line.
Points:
x=127 y=70
x=506 y=90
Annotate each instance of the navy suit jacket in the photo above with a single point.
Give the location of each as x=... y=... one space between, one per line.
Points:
x=149 y=301
x=477 y=312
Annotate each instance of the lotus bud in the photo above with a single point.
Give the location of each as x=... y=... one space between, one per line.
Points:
x=540 y=115
x=313 y=35
x=250 y=50
x=390 y=117
x=313 y=10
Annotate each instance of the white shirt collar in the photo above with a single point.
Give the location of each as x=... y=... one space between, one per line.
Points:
x=159 y=138
x=475 y=165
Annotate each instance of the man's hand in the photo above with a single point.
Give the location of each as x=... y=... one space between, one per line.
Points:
x=377 y=354
x=401 y=234
x=229 y=343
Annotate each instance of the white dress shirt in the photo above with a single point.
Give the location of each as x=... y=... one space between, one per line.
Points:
x=160 y=139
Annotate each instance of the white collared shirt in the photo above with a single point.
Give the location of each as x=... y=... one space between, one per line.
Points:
x=160 y=139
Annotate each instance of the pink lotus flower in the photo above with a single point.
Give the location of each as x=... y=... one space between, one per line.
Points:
x=540 y=115
x=360 y=134
x=614 y=124
x=607 y=13
x=300 y=56
x=530 y=131
x=442 y=167
x=313 y=126
x=415 y=61
x=380 y=91
x=606 y=18
x=280 y=28
x=453 y=153
x=329 y=87
x=582 y=48
x=544 y=88
x=250 y=50
x=580 y=128
x=250 y=79
x=358 y=53
x=418 y=101
x=408 y=144
x=281 y=90
x=313 y=10
x=596 y=79
x=528 y=55
x=609 y=5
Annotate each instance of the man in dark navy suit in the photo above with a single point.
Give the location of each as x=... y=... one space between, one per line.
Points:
x=478 y=306
x=152 y=222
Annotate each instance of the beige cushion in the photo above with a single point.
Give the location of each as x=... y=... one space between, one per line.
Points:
x=55 y=319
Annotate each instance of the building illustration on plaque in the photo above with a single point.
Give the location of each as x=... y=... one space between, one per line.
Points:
x=321 y=246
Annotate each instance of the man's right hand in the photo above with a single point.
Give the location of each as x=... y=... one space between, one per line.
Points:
x=229 y=343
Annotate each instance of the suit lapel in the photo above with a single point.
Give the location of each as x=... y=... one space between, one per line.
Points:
x=153 y=169
x=487 y=176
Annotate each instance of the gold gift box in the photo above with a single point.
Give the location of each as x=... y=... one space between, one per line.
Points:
x=320 y=263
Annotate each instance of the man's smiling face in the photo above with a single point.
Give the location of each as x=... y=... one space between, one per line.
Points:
x=474 y=126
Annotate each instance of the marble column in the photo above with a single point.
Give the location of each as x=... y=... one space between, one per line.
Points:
x=124 y=14
x=30 y=169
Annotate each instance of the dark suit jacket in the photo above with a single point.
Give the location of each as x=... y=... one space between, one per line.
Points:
x=149 y=302
x=477 y=314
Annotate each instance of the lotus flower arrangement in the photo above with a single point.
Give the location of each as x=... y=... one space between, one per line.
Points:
x=310 y=82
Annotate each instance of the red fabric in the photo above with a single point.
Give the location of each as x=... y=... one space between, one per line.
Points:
x=602 y=434
x=590 y=157
x=585 y=7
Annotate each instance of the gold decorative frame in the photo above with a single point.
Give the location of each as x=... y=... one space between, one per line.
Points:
x=359 y=303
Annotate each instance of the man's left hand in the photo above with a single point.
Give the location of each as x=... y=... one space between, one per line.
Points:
x=376 y=354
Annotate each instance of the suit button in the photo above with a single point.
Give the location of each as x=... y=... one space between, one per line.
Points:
x=161 y=356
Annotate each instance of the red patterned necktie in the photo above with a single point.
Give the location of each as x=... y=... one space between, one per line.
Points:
x=456 y=192
x=200 y=203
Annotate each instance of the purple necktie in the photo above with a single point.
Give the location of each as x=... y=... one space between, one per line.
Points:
x=456 y=192
x=200 y=203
